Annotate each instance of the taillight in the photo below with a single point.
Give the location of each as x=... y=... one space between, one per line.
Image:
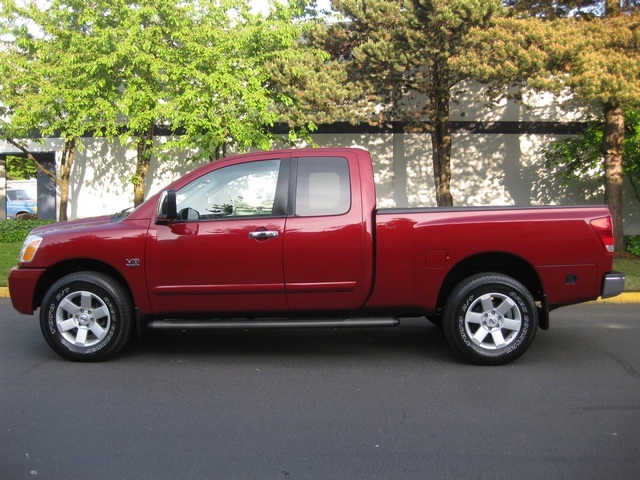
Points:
x=604 y=229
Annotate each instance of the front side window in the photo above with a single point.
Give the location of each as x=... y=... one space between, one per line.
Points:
x=243 y=190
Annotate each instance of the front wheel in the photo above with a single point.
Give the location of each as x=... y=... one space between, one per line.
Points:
x=86 y=316
x=490 y=318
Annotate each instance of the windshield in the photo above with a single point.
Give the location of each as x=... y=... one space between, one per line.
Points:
x=18 y=195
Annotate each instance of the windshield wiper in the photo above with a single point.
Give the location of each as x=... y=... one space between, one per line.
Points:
x=121 y=214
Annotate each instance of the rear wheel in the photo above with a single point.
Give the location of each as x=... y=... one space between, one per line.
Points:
x=86 y=316
x=490 y=318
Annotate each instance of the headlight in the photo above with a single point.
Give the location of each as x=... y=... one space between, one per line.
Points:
x=29 y=248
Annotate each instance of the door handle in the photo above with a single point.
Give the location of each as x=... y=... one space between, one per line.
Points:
x=263 y=234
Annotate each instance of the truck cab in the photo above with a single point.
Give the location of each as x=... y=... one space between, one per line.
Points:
x=285 y=232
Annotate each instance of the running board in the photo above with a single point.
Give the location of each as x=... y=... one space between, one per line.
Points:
x=271 y=323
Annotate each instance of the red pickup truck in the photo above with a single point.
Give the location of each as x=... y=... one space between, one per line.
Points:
x=292 y=238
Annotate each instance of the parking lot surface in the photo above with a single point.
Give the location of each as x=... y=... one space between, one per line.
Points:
x=318 y=404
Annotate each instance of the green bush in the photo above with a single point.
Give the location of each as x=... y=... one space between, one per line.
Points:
x=632 y=244
x=12 y=231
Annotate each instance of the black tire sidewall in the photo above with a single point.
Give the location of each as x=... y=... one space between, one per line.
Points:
x=114 y=297
x=465 y=294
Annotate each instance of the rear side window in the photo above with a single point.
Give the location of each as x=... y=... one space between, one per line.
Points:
x=323 y=186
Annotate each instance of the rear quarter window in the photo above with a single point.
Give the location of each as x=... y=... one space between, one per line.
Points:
x=323 y=186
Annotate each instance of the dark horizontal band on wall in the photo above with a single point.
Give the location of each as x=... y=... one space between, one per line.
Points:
x=344 y=128
x=541 y=128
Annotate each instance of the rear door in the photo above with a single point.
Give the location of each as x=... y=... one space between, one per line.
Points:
x=325 y=263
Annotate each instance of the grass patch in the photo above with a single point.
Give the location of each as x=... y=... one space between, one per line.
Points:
x=630 y=265
x=8 y=258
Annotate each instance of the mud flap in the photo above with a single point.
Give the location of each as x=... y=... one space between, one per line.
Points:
x=543 y=314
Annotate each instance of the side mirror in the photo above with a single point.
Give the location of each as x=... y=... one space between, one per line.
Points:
x=167 y=210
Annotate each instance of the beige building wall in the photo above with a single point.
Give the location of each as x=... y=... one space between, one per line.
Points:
x=487 y=168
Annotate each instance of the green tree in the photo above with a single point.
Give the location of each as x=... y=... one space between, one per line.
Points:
x=230 y=102
x=594 y=58
x=312 y=85
x=197 y=67
x=144 y=40
x=19 y=168
x=200 y=67
x=581 y=156
x=568 y=8
x=48 y=82
x=399 y=51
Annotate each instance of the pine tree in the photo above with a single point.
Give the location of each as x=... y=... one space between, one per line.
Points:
x=398 y=52
x=593 y=54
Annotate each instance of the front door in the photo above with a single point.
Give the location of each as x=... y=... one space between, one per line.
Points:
x=224 y=253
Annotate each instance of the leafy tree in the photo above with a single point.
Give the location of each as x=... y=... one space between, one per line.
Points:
x=144 y=39
x=595 y=59
x=581 y=156
x=312 y=85
x=19 y=168
x=230 y=101
x=47 y=73
x=568 y=8
x=399 y=51
x=198 y=67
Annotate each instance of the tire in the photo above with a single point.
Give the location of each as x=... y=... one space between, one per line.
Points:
x=490 y=318
x=87 y=317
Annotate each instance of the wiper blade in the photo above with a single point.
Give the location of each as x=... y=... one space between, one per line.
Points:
x=121 y=214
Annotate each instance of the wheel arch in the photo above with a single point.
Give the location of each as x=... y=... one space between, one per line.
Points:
x=55 y=272
x=497 y=262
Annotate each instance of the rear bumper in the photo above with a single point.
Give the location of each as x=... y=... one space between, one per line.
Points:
x=22 y=285
x=613 y=284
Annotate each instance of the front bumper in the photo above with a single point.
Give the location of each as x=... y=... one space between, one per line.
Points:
x=22 y=286
x=613 y=284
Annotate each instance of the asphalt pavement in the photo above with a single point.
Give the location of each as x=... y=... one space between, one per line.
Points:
x=325 y=404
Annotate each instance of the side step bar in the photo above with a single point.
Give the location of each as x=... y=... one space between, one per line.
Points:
x=271 y=323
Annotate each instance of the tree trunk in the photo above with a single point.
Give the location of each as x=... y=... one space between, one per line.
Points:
x=68 y=156
x=144 y=147
x=612 y=150
x=441 y=135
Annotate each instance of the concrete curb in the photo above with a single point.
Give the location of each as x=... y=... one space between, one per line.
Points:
x=626 y=297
